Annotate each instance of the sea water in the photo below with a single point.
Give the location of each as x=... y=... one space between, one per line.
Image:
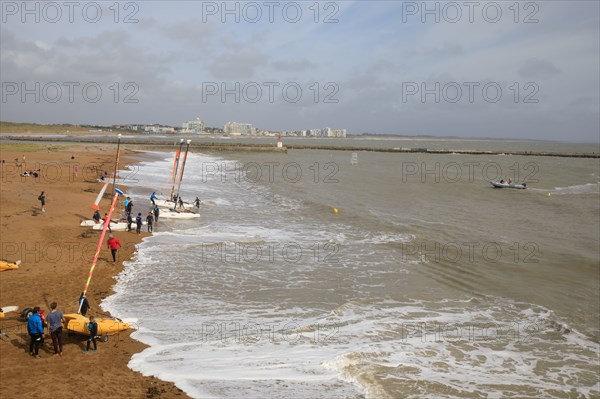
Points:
x=399 y=275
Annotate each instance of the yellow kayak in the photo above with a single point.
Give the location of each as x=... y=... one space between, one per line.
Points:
x=78 y=324
x=8 y=266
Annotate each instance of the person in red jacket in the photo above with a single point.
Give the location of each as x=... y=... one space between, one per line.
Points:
x=114 y=244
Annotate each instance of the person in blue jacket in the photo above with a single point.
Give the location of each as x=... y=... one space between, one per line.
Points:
x=153 y=197
x=35 y=329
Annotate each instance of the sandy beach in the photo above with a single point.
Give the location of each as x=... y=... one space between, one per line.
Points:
x=56 y=256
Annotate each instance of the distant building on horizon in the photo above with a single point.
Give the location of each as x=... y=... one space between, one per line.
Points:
x=195 y=127
x=158 y=129
x=238 y=129
x=338 y=133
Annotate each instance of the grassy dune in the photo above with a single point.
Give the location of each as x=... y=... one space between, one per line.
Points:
x=33 y=128
x=28 y=147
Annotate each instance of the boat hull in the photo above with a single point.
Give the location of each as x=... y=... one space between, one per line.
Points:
x=506 y=185
x=171 y=205
x=121 y=226
x=88 y=223
x=78 y=324
x=8 y=266
x=178 y=215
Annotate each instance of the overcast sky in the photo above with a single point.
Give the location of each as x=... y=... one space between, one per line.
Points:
x=485 y=69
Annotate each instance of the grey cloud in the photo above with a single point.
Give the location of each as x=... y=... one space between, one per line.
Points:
x=293 y=65
x=586 y=100
x=447 y=50
x=237 y=65
x=191 y=31
x=535 y=68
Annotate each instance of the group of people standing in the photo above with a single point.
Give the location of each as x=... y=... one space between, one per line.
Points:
x=54 y=321
x=151 y=217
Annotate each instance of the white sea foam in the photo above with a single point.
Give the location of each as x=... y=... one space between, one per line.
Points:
x=234 y=327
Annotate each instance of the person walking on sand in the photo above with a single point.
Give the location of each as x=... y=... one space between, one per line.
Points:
x=138 y=223
x=114 y=244
x=35 y=329
x=156 y=212
x=93 y=327
x=107 y=222
x=129 y=221
x=83 y=302
x=149 y=220
x=55 y=321
x=42 y=199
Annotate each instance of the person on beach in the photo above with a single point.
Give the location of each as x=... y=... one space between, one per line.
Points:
x=83 y=302
x=153 y=197
x=114 y=244
x=35 y=329
x=107 y=222
x=93 y=327
x=129 y=205
x=156 y=212
x=138 y=223
x=129 y=221
x=44 y=325
x=55 y=322
x=149 y=220
x=96 y=216
x=42 y=199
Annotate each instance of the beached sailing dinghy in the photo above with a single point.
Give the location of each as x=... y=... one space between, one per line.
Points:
x=170 y=208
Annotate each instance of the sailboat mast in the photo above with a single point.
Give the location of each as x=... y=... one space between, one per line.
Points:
x=175 y=167
x=116 y=164
x=183 y=166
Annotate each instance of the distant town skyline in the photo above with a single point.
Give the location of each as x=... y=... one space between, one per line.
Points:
x=522 y=70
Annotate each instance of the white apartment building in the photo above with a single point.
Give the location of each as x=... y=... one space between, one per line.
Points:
x=238 y=129
x=196 y=126
x=158 y=129
x=339 y=133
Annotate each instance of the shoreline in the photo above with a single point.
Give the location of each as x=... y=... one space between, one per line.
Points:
x=56 y=255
